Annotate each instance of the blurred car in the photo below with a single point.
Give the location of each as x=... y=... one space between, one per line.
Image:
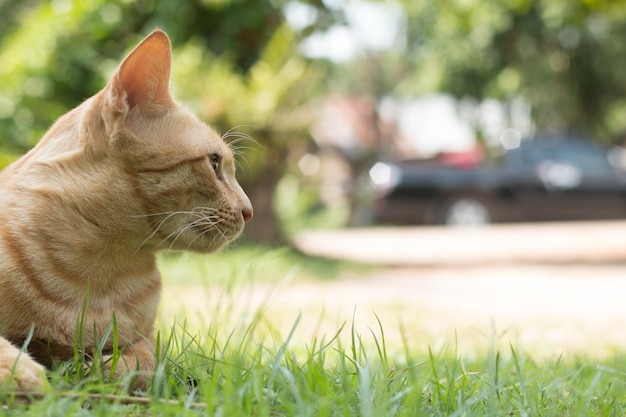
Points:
x=543 y=179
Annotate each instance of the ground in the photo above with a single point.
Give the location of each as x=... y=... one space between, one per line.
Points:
x=555 y=286
x=551 y=288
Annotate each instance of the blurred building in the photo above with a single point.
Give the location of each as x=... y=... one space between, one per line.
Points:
x=353 y=132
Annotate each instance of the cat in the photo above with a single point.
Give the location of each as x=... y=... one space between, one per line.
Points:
x=127 y=173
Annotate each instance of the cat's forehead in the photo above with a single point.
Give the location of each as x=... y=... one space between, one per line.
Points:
x=191 y=135
x=201 y=136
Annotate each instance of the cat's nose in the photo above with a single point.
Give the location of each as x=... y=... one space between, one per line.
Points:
x=247 y=213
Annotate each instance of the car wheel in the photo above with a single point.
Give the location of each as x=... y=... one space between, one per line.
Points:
x=467 y=211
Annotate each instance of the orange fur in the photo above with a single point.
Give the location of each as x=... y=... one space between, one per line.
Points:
x=125 y=174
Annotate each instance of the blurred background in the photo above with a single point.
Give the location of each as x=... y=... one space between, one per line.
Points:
x=362 y=112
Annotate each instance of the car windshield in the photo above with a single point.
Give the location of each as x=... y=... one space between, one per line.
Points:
x=590 y=160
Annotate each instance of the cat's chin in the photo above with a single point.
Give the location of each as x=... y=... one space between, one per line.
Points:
x=207 y=243
x=214 y=247
x=197 y=248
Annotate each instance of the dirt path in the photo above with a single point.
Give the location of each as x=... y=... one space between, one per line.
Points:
x=553 y=287
x=546 y=308
x=438 y=246
x=549 y=288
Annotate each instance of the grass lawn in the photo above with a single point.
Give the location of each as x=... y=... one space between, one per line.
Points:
x=228 y=349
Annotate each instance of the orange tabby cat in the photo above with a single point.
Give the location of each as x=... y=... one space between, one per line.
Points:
x=125 y=174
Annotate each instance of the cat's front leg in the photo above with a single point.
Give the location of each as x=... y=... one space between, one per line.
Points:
x=18 y=370
x=137 y=360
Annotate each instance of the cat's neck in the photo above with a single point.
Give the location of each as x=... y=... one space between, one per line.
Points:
x=67 y=260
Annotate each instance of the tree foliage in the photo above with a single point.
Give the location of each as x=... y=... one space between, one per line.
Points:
x=55 y=54
x=236 y=63
x=565 y=58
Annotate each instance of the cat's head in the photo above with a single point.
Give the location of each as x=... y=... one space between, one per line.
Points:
x=180 y=171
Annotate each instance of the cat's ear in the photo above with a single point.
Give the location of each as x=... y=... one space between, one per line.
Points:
x=142 y=80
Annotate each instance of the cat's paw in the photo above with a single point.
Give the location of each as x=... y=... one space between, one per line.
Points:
x=135 y=367
x=18 y=370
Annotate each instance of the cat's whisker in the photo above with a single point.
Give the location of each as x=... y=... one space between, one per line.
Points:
x=179 y=230
x=208 y=223
x=211 y=220
x=215 y=227
x=205 y=217
x=234 y=140
x=204 y=212
x=238 y=143
x=203 y=222
x=156 y=228
x=233 y=131
x=241 y=150
x=176 y=233
x=240 y=154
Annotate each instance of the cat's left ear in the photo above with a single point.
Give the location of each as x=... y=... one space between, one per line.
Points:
x=142 y=80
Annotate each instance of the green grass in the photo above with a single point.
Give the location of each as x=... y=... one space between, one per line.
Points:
x=238 y=363
x=252 y=263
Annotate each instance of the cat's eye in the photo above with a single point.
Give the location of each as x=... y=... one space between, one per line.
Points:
x=215 y=161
